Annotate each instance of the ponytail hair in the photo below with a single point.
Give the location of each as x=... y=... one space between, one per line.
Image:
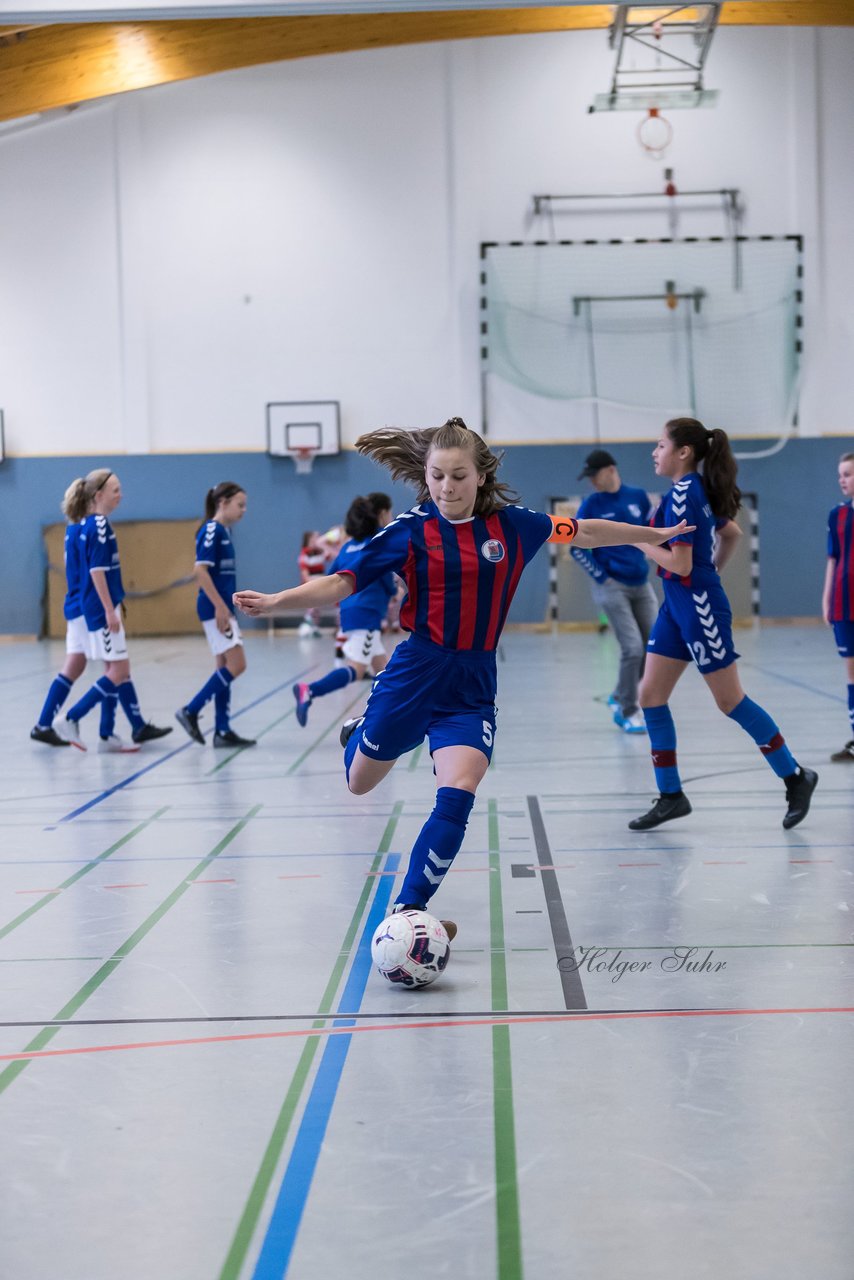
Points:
x=404 y=454
x=712 y=450
x=79 y=494
x=221 y=493
x=361 y=521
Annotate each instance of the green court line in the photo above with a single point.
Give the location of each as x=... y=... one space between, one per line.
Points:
x=51 y=894
x=100 y=975
x=260 y=1187
x=296 y=764
x=416 y=756
x=239 y=750
x=508 y=1229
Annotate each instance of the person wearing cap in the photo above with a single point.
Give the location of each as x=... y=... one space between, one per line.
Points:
x=620 y=580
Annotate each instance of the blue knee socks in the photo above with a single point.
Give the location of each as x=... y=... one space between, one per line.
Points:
x=662 y=742
x=222 y=701
x=56 y=695
x=100 y=690
x=437 y=845
x=764 y=732
x=220 y=680
x=130 y=704
x=851 y=707
x=335 y=679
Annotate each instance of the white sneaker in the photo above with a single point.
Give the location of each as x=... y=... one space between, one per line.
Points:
x=634 y=723
x=70 y=731
x=116 y=744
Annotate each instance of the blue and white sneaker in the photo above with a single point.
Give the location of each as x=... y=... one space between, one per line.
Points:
x=612 y=701
x=634 y=723
x=303 y=699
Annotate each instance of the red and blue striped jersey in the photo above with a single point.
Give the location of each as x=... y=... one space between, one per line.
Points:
x=460 y=574
x=840 y=547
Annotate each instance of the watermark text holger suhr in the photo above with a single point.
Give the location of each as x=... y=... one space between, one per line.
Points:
x=610 y=960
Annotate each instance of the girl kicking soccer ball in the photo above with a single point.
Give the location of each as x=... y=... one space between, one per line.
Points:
x=461 y=550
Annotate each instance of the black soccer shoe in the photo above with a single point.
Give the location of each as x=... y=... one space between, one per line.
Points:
x=149 y=732
x=348 y=728
x=190 y=721
x=845 y=756
x=799 y=789
x=669 y=805
x=232 y=739
x=48 y=736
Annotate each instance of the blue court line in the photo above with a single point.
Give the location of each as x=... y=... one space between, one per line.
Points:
x=798 y=684
x=75 y=813
x=278 y=1245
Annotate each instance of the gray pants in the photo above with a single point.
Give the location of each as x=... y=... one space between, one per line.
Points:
x=631 y=612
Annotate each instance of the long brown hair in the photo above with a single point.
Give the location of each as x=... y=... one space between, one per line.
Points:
x=79 y=494
x=405 y=453
x=221 y=493
x=712 y=449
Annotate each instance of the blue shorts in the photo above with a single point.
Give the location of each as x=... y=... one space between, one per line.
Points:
x=695 y=623
x=447 y=695
x=844 y=633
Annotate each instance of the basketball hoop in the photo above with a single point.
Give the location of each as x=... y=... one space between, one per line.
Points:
x=655 y=134
x=303 y=460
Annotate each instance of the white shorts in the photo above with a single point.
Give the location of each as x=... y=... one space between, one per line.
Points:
x=76 y=636
x=109 y=646
x=222 y=641
x=361 y=646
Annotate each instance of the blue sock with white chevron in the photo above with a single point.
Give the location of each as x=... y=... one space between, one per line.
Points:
x=102 y=688
x=130 y=704
x=662 y=746
x=764 y=732
x=851 y=707
x=59 y=691
x=108 y=715
x=222 y=701
x=337 y=678
x=220 y=679
x=437 y=845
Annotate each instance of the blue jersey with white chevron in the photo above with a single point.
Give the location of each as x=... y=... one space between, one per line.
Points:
x=626 y=564
x=73 y=556
x=215 y=550
x=687 y=501
x=366 y=610
x=99 y=552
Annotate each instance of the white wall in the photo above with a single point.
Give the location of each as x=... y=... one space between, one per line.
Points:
x=173 y=259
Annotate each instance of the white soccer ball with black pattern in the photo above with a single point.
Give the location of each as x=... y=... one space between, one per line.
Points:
x=411 y=948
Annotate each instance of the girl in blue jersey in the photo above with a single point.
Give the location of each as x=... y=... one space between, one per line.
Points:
x=695 y=621
x=460 y=551
x=76 y=648
x=92 y=500
x=361 y=615
x=837 y=603
x=225 y=505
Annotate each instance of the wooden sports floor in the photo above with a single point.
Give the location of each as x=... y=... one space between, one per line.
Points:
x=637 y=1065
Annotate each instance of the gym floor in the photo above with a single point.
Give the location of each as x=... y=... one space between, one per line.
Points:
x=637 y=1063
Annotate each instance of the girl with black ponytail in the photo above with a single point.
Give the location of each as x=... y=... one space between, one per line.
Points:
x=695 y=621
x=224 y=506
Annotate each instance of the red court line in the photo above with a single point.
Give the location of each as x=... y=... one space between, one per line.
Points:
x=141 y=885
x=798 y=861
x=38 y=891
x=499 y=1021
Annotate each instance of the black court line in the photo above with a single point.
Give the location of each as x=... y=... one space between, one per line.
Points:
x=570 y=978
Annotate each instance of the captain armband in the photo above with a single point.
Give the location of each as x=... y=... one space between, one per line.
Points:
x=564 y=529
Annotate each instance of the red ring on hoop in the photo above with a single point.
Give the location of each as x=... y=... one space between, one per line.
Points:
x=657 y=149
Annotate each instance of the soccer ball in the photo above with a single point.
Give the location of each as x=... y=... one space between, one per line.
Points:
x=411 y=948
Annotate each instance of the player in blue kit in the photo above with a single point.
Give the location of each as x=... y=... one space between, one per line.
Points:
x=620 y=585
x=92 y=500
x=695 y=621
x=460 y=550
x=837 y=604
x=225 y=505
x=361 y=615
x=76 y=648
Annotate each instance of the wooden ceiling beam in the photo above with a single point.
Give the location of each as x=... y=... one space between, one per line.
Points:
x=48 y=67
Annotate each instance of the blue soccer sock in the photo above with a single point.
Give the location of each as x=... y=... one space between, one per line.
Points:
x=56 y=695
x=222 y=701
x=337 y=678
x=764 y=732
x=221 y=678
x=662 y=743
x=437 y=845
x=108 y=715
x=100 y=690
x=851 y=707
x=130 y=704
